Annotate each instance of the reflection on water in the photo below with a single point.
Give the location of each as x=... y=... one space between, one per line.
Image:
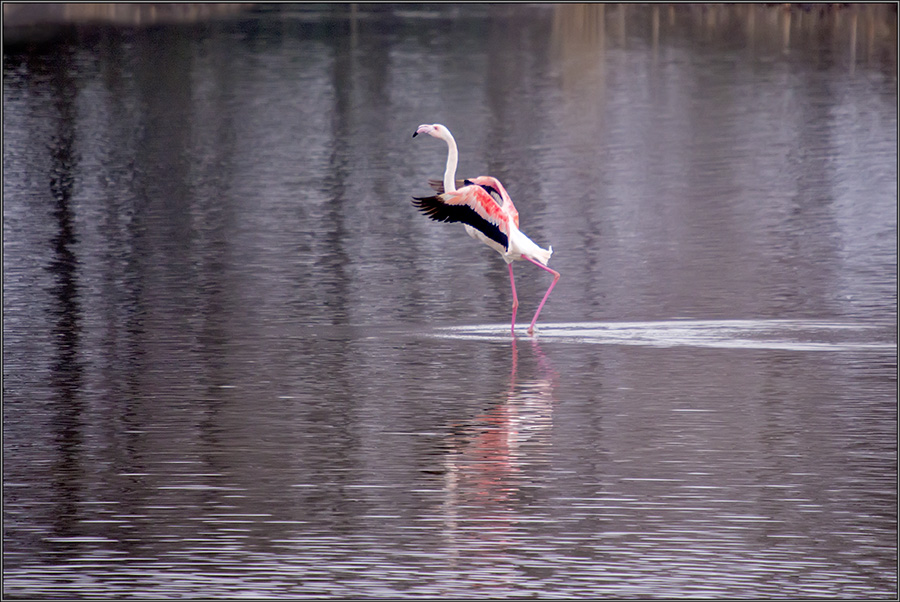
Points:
x=238 y=362
x=492 y=458
x=849 y=33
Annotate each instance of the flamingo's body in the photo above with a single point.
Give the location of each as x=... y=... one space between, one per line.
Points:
x=484 y=207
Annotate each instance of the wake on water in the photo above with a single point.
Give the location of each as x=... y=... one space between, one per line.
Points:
x=793 y=335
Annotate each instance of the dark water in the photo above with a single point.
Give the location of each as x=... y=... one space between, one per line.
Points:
x=237 y=362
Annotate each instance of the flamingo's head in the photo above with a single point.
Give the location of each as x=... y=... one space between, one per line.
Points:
x=434 y=129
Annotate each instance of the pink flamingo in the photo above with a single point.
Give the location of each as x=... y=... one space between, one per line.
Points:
x=488 y=214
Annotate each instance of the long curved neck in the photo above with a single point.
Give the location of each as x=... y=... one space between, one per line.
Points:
x=452 y=158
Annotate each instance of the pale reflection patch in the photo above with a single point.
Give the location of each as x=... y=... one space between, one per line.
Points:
x=791 y=335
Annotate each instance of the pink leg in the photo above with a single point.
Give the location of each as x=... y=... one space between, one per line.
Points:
x=512 y=283
x=547 y=294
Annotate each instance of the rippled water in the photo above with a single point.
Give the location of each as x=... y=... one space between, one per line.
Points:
x=237 y=362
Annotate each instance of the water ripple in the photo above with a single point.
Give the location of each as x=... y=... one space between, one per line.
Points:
x=790 y=335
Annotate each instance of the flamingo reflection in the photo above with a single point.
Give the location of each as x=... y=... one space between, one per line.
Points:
x=498 y=452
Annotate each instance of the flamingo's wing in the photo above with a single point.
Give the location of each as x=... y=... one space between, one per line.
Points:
x=484 y=182
x=495 y=189
x=470 y=205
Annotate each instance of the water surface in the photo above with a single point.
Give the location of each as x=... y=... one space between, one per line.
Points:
x=237 y=362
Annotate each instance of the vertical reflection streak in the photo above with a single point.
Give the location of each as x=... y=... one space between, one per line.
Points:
x=66 y=377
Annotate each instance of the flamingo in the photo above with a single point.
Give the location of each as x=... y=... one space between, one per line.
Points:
x=484 y=207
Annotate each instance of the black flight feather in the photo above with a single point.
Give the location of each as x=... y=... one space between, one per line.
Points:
x=437 y=210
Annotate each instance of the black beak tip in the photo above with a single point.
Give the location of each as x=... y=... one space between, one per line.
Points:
x=414 y=134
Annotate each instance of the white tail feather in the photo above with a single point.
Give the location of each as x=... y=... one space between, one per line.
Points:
x=522 y=245
x=543 y=255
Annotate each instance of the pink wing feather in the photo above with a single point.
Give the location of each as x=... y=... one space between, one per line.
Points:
x=473 y=205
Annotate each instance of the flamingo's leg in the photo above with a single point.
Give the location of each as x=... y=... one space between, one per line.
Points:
x=547 y=294
x=515 y=305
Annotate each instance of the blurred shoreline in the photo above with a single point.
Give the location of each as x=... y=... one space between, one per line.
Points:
x=863 y=31
x=868 y=31
x=25 y=23
x=849 y=35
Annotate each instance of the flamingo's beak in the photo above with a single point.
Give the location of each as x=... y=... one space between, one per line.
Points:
x=415 y=134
